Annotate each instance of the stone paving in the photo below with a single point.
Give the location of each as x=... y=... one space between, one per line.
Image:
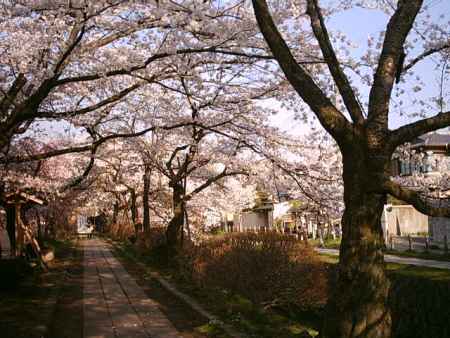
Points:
x=114 y=305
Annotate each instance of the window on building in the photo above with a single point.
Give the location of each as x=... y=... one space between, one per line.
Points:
x=405 y=168
x=427 y=164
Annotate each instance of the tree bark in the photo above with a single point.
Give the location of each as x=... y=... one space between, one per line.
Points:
x=358 y=302
x=133 y=198
x=145 y=199
x=11 y=227
x=134 y=210
x=115 y=212
x=175 y=227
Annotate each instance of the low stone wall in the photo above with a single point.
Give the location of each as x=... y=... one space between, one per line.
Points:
x=439 y=228
x=401 y=220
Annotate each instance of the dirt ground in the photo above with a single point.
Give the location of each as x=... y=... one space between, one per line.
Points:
x=33 y=307
x=67 y=319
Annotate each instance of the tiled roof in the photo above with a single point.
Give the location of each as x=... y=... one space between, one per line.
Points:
x=432 y=139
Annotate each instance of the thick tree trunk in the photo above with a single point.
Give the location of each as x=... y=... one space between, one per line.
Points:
x=145 y=200
x=358 y=301
x=175 y=227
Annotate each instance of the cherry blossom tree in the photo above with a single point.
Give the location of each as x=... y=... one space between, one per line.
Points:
x=357 y=307
x=80 y=60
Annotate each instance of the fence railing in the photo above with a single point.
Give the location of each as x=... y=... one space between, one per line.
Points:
x=412 y=243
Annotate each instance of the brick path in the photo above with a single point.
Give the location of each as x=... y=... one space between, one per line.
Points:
x=114 y=305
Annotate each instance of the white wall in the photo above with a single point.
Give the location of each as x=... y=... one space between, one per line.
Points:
x=400 y=220
x=439 y=227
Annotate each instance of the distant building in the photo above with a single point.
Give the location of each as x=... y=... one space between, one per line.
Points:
x=291 y=216
x=257 y=218
x=295 y=216
x=435 y=149
x=430 y=157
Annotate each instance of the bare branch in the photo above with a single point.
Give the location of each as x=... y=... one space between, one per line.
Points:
x=413 y=130
x=77 y=180
x=425 y=54
x=331 y=118
x=341 y=80
x=397 y=30
x=76 y=35
x=11 y=95
x=80 y=149
x=172 y=157
x=211 y=180
x=111 y=99
x=156 y=57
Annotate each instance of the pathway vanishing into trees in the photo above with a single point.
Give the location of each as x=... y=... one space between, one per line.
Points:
x=399 y=260
x=114 y=305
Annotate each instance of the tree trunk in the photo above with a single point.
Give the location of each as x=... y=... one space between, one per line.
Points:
x=188 y=227
x=20 y=231
x=134 y=210
x=175 y=227
x=358 y=302
x=115 y=212
x=145 y=200
x=11 y=227
x=39 y=225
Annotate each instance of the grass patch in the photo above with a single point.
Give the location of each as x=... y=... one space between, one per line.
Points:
x=402 y=269
x=411 y=271
x=419 y=299
x=329 y=243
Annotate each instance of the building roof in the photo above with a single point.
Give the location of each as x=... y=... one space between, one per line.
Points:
x=432 y=139
x=22 y=197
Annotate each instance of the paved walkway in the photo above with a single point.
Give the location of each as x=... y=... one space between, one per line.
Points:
x=114 y=305
x=400 y=260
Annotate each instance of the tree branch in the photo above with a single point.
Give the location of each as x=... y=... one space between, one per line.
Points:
x=172 y=157
x=156 y=57
x=77 y=180
x=341 y=80
x=431 y=207
x=80 y=149
x=413 y=130
x=111 y=99
x=397 y=30
x=74 y=39
x=423 y=55
x=330 y=118
x=211 y=180
x=11 y=95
